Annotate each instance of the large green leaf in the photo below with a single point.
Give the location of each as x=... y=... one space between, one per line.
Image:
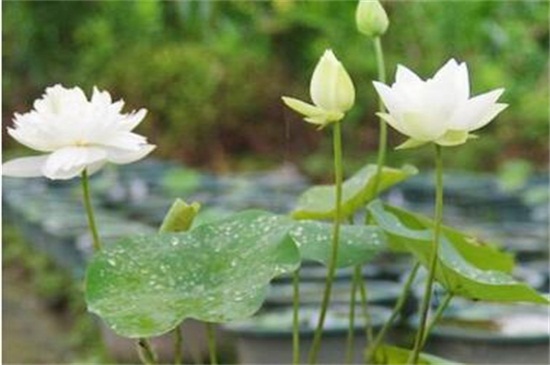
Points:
x=144 y=286
x=358 y=244
x=318 y=202
x=478 y=253
x=454 y=272
x=395 y=355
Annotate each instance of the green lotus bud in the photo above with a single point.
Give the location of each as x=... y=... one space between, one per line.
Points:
x=371 y=18
x=331 y=90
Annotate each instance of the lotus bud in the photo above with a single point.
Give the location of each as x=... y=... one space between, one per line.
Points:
x=371 y=18
x=331 y=90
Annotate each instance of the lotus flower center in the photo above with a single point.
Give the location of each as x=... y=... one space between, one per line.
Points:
x=81 y=143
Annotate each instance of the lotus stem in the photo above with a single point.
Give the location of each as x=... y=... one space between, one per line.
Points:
x=146 y=352
x=338 y=173
x=178 y=346
x=437 y=316
x=351 y=328
x=419 y=341
x=90 y=211
x=381 y=158
x=296 y=317
x=211 y=335
x=383 y=132
x=395 y=313
x=365 y=308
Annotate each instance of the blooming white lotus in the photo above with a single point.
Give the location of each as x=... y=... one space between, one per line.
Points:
x=75 y=134
x=439 y=109
x=331 y=90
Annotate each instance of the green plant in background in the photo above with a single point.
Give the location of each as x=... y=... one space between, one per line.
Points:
x=146 y=285
x=514 y=174
x=192 y=53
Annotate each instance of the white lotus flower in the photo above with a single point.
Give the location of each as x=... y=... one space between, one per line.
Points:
x=75 y=134
x=439 y=109
x=331 y=90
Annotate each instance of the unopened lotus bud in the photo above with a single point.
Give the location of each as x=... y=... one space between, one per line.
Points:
x=331 y=90
x=371 y=18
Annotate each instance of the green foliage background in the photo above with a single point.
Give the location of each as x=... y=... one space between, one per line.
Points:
x=211 y=73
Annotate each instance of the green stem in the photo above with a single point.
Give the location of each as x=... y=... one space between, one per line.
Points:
x=90 y=211
x=395 y=313
x=382 y=146
x=351 y=328
x=146 y=352
x=433 y=260
x=365 y=308
x=381 y=66
x=211 y=335
x=437 y=315
x=178 y=346
x=383 y=133
x=338 y=173
x=296 y=317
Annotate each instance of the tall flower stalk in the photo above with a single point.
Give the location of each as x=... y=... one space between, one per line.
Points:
x=419 y=340
x=333 y=94
x=146 y=353
x=398 y=307
x=372 y=21
x=212 y=347
x=90 y=211
x=380 y=160
x=296 y=317
x=437 y=316
x=338 y=177
x=178 y=345
x=351 y=329
x=383 y=131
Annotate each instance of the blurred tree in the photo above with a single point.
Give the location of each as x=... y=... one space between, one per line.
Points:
x=211 y=73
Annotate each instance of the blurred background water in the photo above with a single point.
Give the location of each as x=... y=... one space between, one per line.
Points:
x=47 y=240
